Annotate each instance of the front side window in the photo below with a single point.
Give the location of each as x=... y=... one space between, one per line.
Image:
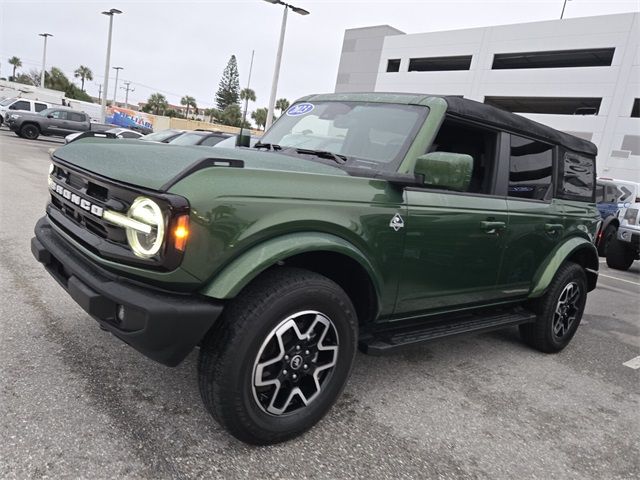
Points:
x=57 y=114
x=577 y=178
x=21 y=105
x=530 y=168
x=370 y=135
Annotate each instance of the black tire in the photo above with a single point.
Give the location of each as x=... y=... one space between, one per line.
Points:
x=620 y=255
x=607 y=237
x=229 y=361
x=29 y=131
x=555 y=325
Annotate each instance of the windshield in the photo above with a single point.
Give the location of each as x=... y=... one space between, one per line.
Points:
x=160 y=136
x=187 y=139
x=7 y=101
x=368 y=134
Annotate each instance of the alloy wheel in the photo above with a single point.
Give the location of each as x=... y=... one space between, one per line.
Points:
x=567 y=310
x=295 y=362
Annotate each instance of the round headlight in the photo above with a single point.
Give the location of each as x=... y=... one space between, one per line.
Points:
x=147 y=211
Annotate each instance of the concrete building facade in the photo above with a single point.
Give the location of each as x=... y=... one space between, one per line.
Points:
x=579 y=75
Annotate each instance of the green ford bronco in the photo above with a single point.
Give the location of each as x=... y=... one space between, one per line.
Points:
x=367 y=220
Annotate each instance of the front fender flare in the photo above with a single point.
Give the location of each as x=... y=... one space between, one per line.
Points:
x=242 y=270
x=545 y=273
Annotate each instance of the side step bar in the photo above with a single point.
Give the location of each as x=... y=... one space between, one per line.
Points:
x=382 y=342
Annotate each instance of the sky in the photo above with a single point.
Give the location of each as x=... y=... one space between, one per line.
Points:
x=182 y=47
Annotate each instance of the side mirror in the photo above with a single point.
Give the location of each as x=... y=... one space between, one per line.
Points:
x=451 y=171
x=49 y=116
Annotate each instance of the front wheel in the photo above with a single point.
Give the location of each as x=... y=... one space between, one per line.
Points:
x=559 y=311
x=29 y=131
x=620 y=255
x=280 y=357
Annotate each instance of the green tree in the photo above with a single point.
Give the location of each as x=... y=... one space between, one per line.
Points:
x=17 y=63
x=248 y=94
x=212 y=113
x=188 y=101
x=229 y=88
x=83 y=73
x=259 y=116
x=35 y=77
x=24 y=79
x=232 y=115
x=282 y=104
x=157 y=103
x=55 y=79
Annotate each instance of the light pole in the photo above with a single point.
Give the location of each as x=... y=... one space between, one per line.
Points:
x=276 y=72
x=103 y=104
x=115 y=89
x=44 y=56
x=126 y=97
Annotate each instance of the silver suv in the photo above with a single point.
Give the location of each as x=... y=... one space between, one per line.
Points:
x=625 y=248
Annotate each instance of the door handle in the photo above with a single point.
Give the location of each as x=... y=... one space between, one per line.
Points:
x=553 y=227
x=492 y=227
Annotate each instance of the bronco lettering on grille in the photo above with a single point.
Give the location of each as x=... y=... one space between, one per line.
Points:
x=76 y=199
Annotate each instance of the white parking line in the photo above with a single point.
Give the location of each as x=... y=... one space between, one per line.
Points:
x=633 y=363
x=619 y=279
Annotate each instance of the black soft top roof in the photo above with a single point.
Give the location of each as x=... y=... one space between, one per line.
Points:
x=472 y=110
x=512 y=122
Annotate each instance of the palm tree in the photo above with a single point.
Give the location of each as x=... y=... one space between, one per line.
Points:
x=188 y=102
x=157 y=103
x=16 y=62
x=259 y=116
x=84 y=73
x=282 y=104
x=247 y=94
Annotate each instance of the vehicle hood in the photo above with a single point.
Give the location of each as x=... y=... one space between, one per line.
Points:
x=157 y=166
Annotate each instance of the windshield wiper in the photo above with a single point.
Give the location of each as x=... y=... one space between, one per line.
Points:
x=268 y=146
x=341 y=159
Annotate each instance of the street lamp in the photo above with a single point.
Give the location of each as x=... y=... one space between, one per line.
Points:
x=115 y=90
x=276 y=72
x=44 y=56
x=103 y=104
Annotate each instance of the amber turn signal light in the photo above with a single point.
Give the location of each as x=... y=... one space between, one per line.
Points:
x=181 y=232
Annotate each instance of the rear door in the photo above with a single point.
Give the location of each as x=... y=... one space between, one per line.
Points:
x=536 y=223
x=77 y=122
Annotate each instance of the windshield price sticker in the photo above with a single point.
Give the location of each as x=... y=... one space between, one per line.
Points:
x=300 y=109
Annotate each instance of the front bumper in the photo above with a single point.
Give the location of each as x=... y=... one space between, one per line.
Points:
x=164 y=326
x=629 y=235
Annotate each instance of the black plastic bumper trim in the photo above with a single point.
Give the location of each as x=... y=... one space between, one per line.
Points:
x=164 y=327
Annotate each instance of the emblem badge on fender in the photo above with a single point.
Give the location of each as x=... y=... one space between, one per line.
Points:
x=396 y=222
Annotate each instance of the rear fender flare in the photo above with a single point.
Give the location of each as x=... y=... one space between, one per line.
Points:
x=545 y=273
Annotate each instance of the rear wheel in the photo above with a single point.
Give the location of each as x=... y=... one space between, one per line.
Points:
x=280 y=357
x=559 y=311
x=607 y=237
x=29 y=131
x=620 y=255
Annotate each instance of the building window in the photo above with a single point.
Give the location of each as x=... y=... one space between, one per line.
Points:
x=631 y=143
x=530 y=168
x=393 y=65
x=590 y=57
x=551 y=105
x=440 y=64
x=635 y=111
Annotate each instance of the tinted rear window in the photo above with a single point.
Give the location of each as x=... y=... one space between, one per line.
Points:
x=577 y=178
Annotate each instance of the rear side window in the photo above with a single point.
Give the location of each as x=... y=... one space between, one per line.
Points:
x=577 y=178
x=40 y=107
x=76 y=117
x=530 y=168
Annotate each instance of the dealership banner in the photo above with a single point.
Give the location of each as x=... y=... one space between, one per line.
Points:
x=124 y=117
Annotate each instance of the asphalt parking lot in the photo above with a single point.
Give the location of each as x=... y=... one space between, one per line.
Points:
x=77 y=403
